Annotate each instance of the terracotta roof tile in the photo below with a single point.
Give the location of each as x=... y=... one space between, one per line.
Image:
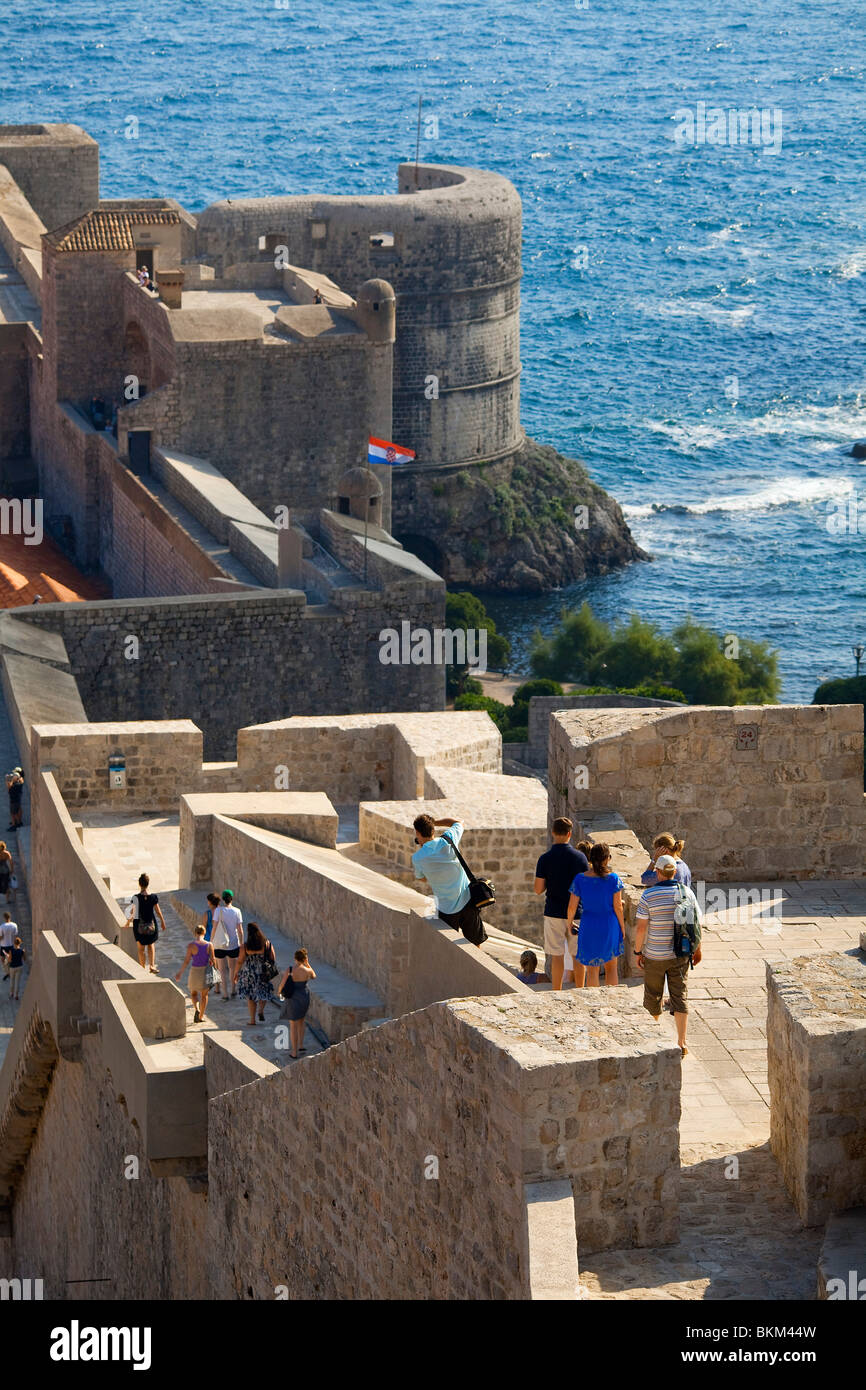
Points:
x=104 y=230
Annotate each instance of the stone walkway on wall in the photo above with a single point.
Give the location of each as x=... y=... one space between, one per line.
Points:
x=740 y=1236
x=125 y=846
x=17 y=902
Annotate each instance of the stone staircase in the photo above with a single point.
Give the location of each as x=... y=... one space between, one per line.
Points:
x=339 y=1005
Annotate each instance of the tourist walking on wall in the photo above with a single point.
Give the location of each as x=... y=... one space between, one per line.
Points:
x=227 y=938
x=212 y=979
x=8 y=932
x=667 y=844
x=555 y=872
x=144 y=913
x=436 y=861
x=253 y=980
x=199 y=955
x=602 y=929
x=17 y=957
x=6 y=870
x=656 y=943
x=293 y=988
x=15 y=788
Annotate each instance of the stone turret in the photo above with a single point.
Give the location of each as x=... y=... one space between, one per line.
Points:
x=359 y=494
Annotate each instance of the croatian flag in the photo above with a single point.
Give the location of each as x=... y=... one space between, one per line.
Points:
x=383 y=451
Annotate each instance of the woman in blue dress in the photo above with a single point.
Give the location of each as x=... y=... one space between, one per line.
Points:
x=600 y=935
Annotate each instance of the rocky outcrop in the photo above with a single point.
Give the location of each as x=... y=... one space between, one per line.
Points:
x=509 y=526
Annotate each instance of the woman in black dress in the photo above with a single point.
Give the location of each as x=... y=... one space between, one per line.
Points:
x=298 y=1001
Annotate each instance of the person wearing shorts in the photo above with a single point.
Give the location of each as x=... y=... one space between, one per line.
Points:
x=227 y=939
x=554 y=875
x=654 y=946
x=199 y=955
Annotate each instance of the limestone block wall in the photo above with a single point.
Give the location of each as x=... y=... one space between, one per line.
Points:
x=343 y=913
x=466 y=1084
x=143 y=549
x=14 y=393
x=281 y=419
x=21 y=232
x=542 y=706
x=303 y=815
x=267 y=653
x=56 y=167
x=787 y=803
x=67 y=895
x=83 y=321
x=365 y=756
x=77 y=1216
x=161 y=759
x=816 y=1063
x=347 y=758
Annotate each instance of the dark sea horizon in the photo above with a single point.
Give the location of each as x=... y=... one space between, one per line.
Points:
x=693 y=313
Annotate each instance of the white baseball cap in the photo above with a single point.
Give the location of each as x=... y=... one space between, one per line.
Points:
x=666 y=861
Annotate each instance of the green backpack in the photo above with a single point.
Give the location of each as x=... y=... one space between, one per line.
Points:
x=687 y=924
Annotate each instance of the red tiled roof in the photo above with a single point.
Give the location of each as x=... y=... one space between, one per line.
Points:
x=103 y=230
x=28 y=570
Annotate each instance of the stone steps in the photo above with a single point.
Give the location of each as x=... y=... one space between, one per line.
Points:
x=339 y=1007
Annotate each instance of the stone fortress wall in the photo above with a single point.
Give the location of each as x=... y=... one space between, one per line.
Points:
x=410 y=1159
x=453 y=1082
x=252 y=396
x=454 y=259
x=757 y=792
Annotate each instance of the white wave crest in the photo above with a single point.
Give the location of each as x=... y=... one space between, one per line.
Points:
x=788 y=491
x=696 y=309
x=827 y=426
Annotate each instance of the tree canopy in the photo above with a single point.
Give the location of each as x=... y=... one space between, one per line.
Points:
x=707 y=667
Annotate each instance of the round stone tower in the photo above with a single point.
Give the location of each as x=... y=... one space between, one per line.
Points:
x=449 y=243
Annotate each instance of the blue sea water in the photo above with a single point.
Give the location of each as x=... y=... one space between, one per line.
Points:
x=694 y=315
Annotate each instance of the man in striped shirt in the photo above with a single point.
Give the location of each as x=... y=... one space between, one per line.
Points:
x=654 y=946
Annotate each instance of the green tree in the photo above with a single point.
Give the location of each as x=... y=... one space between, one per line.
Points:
x=844 y=690
x=464 y=610
x=569 y=653
x=760 y=682
x=636 y=657
x=636 y=649
x=700 y=668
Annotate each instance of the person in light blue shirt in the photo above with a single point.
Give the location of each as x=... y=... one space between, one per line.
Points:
x=436 y=861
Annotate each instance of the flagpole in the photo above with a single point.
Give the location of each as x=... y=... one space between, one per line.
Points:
x=418 y=140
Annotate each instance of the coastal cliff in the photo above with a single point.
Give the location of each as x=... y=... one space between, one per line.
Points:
x=509 y=527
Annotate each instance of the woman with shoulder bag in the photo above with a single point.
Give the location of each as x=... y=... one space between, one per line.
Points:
x=293 y=988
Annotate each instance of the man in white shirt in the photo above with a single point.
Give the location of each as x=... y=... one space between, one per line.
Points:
x=8 y=933
x=227 y=938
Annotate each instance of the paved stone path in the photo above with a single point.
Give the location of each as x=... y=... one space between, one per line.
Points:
x=125 y=846
x=17 y=902
x=740 y=1236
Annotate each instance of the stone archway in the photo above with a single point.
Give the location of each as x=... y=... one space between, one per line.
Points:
x=136 y=362
x=426 y=549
